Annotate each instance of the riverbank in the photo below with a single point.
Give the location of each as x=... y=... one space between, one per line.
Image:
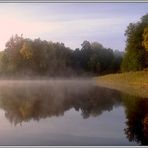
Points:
x=133 y=83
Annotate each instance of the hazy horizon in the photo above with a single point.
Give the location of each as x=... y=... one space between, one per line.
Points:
x=70 y=23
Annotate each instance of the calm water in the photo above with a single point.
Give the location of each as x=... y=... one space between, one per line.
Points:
x=70 y=113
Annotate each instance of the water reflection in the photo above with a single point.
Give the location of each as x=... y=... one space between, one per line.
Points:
x=26 y=101
x=137 y=119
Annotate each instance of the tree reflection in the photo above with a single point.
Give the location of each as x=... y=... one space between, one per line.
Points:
x=30 y=101
x=26 y=101
x=137 y=119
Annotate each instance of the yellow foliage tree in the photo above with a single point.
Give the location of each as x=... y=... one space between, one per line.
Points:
x=26 y=51
x=145 y=38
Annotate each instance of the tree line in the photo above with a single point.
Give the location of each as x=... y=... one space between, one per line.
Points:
x=24 y=56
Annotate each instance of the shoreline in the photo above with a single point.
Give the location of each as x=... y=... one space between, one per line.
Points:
x=132 y=83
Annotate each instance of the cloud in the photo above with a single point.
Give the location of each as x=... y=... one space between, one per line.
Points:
x=10 y=24
x=69 y=23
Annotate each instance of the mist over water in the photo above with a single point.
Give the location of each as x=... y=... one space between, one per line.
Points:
x=53 y=97
x=66 y=112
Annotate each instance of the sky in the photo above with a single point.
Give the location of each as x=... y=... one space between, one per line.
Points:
x=70 y=23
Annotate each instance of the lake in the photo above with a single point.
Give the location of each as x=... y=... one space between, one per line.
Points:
x=70 y=112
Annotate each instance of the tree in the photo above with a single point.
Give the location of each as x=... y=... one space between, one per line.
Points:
x=12 y=52
x=135 y=57
x=145 y=38
x=98 y=59
x=132 y=61
x=86 y=54
x=145 y=44
x=118 y=56
x=26 y=51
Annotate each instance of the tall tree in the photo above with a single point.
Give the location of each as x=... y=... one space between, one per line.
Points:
x=135 y=57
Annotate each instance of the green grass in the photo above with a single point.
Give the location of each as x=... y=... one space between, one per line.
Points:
x=134 y=83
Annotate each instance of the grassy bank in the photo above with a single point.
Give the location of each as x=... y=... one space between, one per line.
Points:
x=134 y=83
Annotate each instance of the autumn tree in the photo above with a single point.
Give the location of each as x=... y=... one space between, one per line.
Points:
x=145 y=38
x=135 y=57
x=26 y=50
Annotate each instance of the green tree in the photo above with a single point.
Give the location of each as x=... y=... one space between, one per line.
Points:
x=135 y=57
x=86 y=54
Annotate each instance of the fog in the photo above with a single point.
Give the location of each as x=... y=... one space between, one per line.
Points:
x=24 y=100
x=44 y=81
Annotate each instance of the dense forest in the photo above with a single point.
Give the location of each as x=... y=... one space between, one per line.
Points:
x=27 y=57
x=23 y=56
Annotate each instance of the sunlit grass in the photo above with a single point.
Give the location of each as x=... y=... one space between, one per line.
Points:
x=135 y=83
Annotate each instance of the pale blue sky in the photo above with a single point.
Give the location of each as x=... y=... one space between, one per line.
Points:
x=71 y=23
